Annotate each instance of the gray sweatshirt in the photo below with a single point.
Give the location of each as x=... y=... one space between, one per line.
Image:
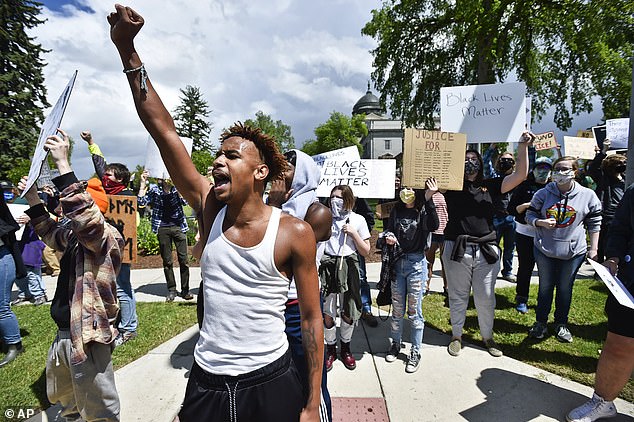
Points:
x=571 y=209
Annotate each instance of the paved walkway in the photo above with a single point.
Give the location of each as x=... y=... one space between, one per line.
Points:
x=472 y=387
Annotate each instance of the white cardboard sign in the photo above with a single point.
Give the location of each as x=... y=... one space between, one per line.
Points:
x=154 y=162
x=617 y=131
x=485 y=113
x=49 y=127
x=367 y=178
x=614 y=284
x=347 y=153
x=580 y=147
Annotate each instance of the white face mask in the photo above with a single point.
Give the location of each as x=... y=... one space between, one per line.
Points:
x=336 y=206
x=563 y=177
x=541 y=175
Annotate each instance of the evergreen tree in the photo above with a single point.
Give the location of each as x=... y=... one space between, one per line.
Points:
x=278 y=129
x=191 y=116
x=22 y=91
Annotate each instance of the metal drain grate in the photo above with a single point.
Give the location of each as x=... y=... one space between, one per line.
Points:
x=359 y=410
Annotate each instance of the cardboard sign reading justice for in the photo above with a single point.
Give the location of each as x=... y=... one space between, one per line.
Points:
x=121 y=214
x=428 y=153
x=545 y=141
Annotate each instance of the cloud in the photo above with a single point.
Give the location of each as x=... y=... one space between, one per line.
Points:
x=295 y=60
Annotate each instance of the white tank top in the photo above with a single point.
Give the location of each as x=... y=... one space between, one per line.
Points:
x=245 y=296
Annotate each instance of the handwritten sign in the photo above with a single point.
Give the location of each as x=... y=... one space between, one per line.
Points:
x=579 y=147
x=121 y=214
x=49 y=127
x=428 y=153
x=485 y=113
x=366 y=178
x=617 y=131
x=347 y=153
x=383 y=210
x=154 y=162
x=17 y=210
x=545 y=141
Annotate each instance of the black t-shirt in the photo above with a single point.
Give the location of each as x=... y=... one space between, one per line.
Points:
x=500 y=200
x=60 y=305
x=471 y=210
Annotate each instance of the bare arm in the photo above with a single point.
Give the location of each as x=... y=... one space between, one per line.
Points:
x=125 y=23
x=305 y=273
x=320 y=219
x=521 y=169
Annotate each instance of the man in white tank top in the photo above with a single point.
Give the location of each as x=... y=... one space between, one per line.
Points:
x=242 y=368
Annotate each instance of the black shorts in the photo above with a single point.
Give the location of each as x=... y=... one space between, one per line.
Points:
x=272 y=393
x=620 y=318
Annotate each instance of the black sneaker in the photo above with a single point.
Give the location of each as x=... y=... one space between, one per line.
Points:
x=392 y=354
x=186 y=295
x=413 y=362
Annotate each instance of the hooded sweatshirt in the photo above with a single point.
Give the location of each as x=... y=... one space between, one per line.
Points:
x=574 y=209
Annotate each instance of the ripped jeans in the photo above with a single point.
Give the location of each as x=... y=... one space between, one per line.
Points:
x=407 y=292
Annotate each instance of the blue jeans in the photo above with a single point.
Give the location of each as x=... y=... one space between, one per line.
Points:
x=9 y=329
x=364 y=287
x=407 y=290
x=505 y=228
x=31 y=286
x=560 y=274
x=127 y=302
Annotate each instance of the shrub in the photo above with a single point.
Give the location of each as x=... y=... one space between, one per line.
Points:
x=191 y=233
x=147 y=241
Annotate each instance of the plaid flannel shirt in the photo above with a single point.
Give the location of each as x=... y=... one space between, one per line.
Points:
x=159 y=199
x=94 y=306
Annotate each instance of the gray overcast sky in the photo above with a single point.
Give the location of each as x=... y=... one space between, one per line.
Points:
x=295 y=60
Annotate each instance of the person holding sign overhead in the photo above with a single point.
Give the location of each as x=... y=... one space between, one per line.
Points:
x=339 y=273
x=471 y=255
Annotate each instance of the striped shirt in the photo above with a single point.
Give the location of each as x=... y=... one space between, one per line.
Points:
x=441 y=210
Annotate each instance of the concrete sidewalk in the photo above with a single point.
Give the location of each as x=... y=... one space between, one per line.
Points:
x=473 y=386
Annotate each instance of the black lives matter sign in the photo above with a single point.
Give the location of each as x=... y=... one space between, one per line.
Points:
x=122 y=214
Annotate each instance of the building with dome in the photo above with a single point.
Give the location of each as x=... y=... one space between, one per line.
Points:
x=385 y=136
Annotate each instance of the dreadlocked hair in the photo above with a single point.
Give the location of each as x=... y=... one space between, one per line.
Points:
x=266 y=145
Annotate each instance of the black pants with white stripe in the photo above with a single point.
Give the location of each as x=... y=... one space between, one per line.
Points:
x=271 y=393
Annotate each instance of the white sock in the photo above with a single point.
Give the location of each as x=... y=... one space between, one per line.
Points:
x=330 y=334
x=346 y=331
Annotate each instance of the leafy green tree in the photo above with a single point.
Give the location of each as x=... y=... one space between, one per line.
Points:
x=191 y=116
x=338 y=132
x=202 y=160
x=278 y=129
x=565 y=51
x=22 y=91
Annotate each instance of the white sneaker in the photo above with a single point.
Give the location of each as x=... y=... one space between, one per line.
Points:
x=593 y=409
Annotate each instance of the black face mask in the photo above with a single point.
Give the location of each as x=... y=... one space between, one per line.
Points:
x=506 y=165
x=620 y=168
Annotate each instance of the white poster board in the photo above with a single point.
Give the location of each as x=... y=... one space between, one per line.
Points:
x=347 y=153
x=579 y=147
x=529 y=117
x=51 y=124
x=17 y=210
x=617 y=131
x=485 y=113
x=367 y=178
x=154 y=162
x=614 y=284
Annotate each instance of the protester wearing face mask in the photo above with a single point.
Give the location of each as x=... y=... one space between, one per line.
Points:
x=559 y=213
x=471 y=255
x=410 y=224
x=519 y=203
x=609 y=174
x=339 y=274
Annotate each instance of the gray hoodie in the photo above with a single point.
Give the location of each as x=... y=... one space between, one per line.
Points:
x=568 y=238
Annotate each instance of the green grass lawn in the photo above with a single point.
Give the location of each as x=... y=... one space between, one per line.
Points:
x=576 y=361
x=23 y=382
